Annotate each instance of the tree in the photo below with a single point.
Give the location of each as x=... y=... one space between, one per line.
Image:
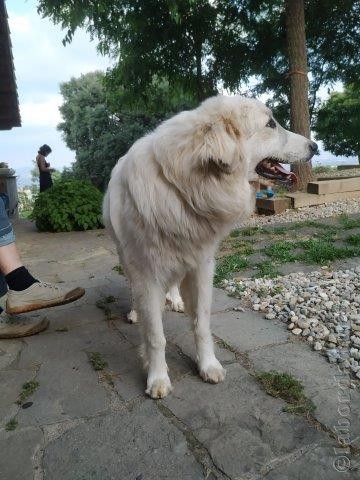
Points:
x=204 y=46
x=100 y=134
x=216 y=43
x=299 y=105
x=333 y=53
x=172 y=39
x=338 y=122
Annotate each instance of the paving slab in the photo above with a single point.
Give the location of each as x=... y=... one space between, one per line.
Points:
x=75 y=317
x=124 y=445
x=221 y=301
x=129 y=376
x=17 y=450
x=247 y=330
x=173 y=323
x=338 y=405
x=243 y=428
x=321 y=462
x=186 y=343
x=69 y=387
x=9 y=352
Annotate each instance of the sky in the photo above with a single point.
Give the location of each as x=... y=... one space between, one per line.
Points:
x=41 y=64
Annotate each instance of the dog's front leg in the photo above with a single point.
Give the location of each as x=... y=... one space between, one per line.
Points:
x=196 y=291
x=149 y=301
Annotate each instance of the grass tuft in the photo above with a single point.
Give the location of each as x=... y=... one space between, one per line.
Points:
x=349 y=222
x=97 y=361
x=279 y=230
x=354 y=240
x=103 y=304
x=250 y=231
x=285 y=386
x=118 y=269
x=282 y=251
x=11 y=425
x=27 y=389
x=227 y=265
x=235 y=233
x=321 y=251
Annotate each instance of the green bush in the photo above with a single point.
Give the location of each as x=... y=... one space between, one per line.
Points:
x=67 y=206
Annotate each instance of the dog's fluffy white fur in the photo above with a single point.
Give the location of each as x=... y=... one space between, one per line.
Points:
x=172 y=198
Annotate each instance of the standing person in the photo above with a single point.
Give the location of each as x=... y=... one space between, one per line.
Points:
x=44 y=168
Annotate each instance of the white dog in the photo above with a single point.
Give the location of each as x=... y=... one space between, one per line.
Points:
x=171 y=199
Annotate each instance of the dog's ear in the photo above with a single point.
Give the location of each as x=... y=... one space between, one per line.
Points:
x=219 y=146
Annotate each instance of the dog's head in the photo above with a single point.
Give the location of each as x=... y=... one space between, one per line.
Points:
x=238 y=134
x=228 y=139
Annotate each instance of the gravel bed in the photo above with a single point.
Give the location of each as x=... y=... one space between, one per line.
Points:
x=322 y=306
x=348 y=207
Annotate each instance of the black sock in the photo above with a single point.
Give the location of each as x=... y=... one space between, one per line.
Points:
x=20 y=279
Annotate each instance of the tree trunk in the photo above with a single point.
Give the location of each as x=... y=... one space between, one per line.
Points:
x=299 y=84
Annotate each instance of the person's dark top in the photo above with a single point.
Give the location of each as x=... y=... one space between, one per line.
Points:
x=45 y=176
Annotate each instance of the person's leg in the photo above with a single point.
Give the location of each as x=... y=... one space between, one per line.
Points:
x=12 y=326
x=25 y=293
x=3 y=293
x=9 y=258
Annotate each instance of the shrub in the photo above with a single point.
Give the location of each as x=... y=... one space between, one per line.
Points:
x=70 y=205
x=323 y=169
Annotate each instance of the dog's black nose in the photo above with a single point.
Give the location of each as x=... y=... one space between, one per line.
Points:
x=314 y=147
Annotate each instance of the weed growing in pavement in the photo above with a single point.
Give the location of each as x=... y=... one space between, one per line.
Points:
x=11 y=424
x=97 y=361
x=285 y=386
x=27 y=389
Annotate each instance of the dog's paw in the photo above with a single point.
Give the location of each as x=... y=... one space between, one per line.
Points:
x=159 y=388
x=213 y=373
x=175 y=303
x=177 y=306
x=132 y=317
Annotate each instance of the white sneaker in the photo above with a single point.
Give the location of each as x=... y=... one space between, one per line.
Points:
x=40 y=295
x=20 y=326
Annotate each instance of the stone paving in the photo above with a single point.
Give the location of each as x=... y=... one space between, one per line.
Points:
x=83 y=424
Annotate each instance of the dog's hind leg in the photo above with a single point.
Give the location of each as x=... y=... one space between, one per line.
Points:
x=196 y=290
x=174 y=299
x=149 y=301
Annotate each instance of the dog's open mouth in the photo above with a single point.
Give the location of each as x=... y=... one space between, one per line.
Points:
x=272 y=170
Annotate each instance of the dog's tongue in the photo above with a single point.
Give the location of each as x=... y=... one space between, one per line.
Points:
x=291 y=177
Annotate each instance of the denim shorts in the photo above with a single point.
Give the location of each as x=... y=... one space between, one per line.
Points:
x=7 y=235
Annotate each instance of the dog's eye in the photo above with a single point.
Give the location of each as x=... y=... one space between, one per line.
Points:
x=271 y=123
